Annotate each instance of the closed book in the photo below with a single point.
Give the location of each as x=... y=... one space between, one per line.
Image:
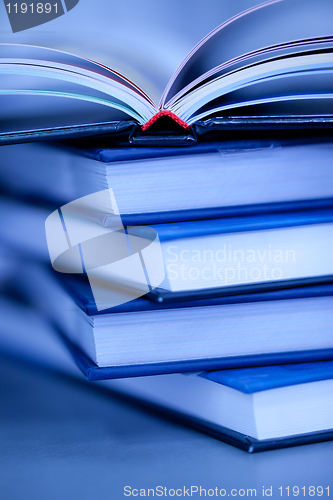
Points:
x=158 y=185
x=205 y=258
x=144 y=338
x=243 y=254
x=254 y=409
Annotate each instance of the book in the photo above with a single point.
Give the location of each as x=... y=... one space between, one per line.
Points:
x=157 y=185
x=239 y=254
x=268 y=78
x=207 y=258
x=145 y=338
x=254 y=409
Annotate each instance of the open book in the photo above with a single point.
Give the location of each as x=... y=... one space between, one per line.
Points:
x=268 y=66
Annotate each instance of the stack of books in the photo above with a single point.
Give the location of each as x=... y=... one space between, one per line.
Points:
x=192 y=255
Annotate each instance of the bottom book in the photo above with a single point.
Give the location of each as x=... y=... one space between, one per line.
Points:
x=255 y=409
x=243 y=407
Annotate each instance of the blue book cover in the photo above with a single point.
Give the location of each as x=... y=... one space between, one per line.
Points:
x=197 y=228
x=263 y=378
x=79 y=288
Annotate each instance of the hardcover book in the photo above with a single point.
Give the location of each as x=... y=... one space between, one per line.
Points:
x=254 y=409
x=168 y=184
x=271 y=77
x=243 y=254
x=143 y=337
x=205 y=258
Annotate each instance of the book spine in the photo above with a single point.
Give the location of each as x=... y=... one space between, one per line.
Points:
x=158 y=115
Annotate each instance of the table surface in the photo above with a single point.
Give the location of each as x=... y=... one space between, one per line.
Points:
x=65 y=439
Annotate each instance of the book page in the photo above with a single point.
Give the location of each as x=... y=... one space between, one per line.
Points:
x=144 y=41
x=273 y=23
x=59 y=80
x=300 y=78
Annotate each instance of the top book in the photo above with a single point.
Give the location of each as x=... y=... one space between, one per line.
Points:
x=270 y=64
